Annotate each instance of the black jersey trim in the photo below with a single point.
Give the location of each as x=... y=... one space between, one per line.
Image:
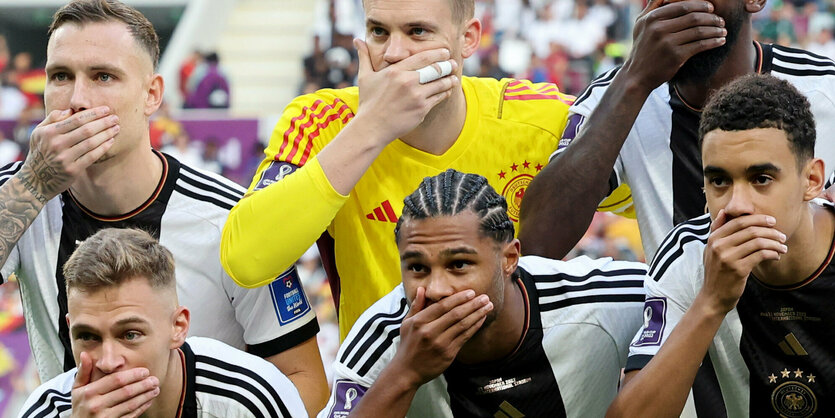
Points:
x=195 y=186
x=264 y=393
x=780 y=52
x=286 y=341
x=368 y=324
x=637 y=362
x=9 y=170
x=564 y=303
x=378 y=352
x=192 y=173
x=602 y=81
x=204 y=198
x=551 y=278
x=48 y=401
x=676 y=239
x=619 y=284
x=801 y=73
x=243 y=385
x=241 y=399
x=375 y=336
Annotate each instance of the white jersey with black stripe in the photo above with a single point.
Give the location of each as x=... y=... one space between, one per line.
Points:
x=186 y=213
x=581 y=315
x=221 y=381
x=660 y=159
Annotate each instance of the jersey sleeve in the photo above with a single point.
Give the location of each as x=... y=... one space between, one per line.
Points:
x=366 y=351
x=275 y=317
x=290 y=201
x=671 y=286
x=53 y=398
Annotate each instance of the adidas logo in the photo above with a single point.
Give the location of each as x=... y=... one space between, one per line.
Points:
x=791 y=346
x=506 y=410
x=384 y=213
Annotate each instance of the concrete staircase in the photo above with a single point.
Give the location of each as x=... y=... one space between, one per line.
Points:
x=261 y=50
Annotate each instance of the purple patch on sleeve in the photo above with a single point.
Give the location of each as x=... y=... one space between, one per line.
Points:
x=347 y=396
x=274 y=172
x=572 y=128
x=655 y=320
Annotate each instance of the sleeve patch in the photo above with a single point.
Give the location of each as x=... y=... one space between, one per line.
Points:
x=572 y=128
x=288 y=296
x=347 y=395
x=274 y=172
x=655 y=317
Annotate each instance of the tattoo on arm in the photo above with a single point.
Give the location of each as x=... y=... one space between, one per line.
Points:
x=48 y=177
x=17 y=210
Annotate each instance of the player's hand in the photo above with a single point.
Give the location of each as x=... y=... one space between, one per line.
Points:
x=430 y=338
x=733 y=249
x=127 y=393
x=63 y=146
x=393 y=99
x=667 y=34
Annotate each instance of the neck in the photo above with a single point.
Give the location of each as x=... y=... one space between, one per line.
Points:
x=808 y=248
x=119 y=184
x=741 y=60
x=441 y=127
x=170 y=389
x=501 y=337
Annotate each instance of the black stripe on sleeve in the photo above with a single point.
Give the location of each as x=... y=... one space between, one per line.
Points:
x=368 y=324
x=208 y=199
x=42 y=401
x=264 y=393
x=602 y=81
x=800 y=73
x=561 y=290
x=379 y=352
x=209 y=189
x=591 y=299
x=637 y=362
x=593 y=273
x=286 y=341
x=378 y=332
x=236 y=191
x=697 y=226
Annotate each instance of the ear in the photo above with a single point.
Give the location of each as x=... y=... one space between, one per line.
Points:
x=180 y=322
x=472 y=37
x=510 y=257
x=815 y=179
x=754 y=6
x=153 y=100
x=67 y=317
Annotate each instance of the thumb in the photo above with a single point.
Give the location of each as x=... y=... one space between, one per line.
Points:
x=85 y=371
x=721 y=219
x=364 y=57
x=418 y=303
x=55 y=116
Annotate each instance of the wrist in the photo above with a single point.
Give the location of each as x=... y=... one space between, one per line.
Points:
x=30 y=182
x=634 y=85
x=373 y=130
x=402 y=377
x=709 y=308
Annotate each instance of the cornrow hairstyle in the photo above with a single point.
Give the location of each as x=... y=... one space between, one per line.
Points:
x=453 y=192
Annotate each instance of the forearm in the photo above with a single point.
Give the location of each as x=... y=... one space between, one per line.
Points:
x=20 y=204
x=561 y=200
x=346 y=159
x=303 y=366
x=267 y=231
x=661 y=388
x=390 y=396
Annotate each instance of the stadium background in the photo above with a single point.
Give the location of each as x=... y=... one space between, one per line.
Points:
x=231 y=66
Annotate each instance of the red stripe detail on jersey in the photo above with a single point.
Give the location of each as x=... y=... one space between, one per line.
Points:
x=380 y=215
x=549 y=90
x=322 y=125
x=310 y=121
x=539 y=97
x=389 y=211
x=513 y=83
x=516 y=89
x=292 y=127
x=370 y=216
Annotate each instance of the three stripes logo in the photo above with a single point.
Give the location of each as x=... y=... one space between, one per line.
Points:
x=791 y=346
x=383 y=213
x=506 y=410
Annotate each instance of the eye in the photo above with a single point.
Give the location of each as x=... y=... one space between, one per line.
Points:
x=132 y=335
x=416 y=268
x=460 y=264
x=61 y=76
x=104 y=77
x=718 y=181
x=418 y=31
x=762 y=180
x=86 y=337
x=377 y=31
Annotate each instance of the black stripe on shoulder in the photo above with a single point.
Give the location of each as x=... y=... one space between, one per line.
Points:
x=9 y=170
x=208 y=189
x=49 y=398
x=801 y=73
x=782 y=53
x=561 y=290
x=377 y=335
x=551 y=278
x=236 y=191
x=379 y=351
x=367 y=326
x=264 y=393
x=637 y=297
x=208 y=199
x=200 y=387
x=672 y=247
x=601 y=81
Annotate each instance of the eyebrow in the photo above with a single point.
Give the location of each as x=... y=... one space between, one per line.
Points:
x=417 y=23
x=753 y=169
x=460 y=250
x=95 y=68
x=130 y=320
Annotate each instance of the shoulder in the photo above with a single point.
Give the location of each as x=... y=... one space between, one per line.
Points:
x=207 y=190
x=797 y=62
x=9 y=170
x=372 y=336
x=346 y=99
x=580 y=281
x=52 y=397
x=683 y=244
x=521 y=101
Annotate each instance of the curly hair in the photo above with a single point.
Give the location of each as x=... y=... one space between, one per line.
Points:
x=762 y=101
x=453 y=192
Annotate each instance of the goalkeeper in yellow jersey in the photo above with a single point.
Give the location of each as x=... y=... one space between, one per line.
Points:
x=340 y=162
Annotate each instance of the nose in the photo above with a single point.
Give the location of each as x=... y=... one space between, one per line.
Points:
x=397 y=49
x=740 y=203
x=110 y=360
x=438 y=287
x=81 y=95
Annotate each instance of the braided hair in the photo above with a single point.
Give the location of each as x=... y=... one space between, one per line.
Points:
x=453 y=192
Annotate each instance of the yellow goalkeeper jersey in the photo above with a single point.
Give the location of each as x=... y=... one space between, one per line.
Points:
x=511 y=128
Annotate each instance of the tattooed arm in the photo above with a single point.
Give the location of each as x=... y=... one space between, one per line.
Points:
x=60 y=149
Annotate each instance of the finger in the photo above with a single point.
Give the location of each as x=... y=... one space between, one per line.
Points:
x=751 y=233
x=681 y=8
x=442 y=85
x=80 y=152
x=85 y=371
x=452 y=322
x=80 y=119
x=55 y=116
x=434 y=99
x=434 y=71
x=118 y=380
x=752 y=246
x=436 y=310
x=139 y=411
x=721 y=219
x=465 y=320
x=465 y=336
x=90 y=129
x=418 y=303
x=127 y=398
x=695 y=47
x=735 y=225
x=364 y=57
x=424 y=58
x=680 y=24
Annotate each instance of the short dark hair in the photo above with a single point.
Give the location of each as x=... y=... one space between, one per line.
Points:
x=453 y=192
x=462 y=10
x=113 y=256
x=88 y=11
x=762 y=101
